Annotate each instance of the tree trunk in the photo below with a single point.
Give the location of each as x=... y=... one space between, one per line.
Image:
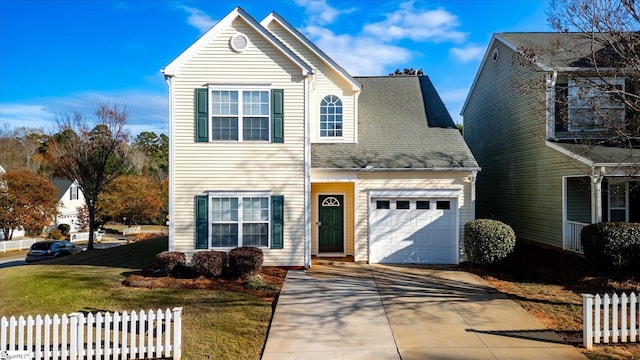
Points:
x=92 y=225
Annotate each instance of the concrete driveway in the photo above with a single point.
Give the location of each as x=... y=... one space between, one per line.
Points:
x=353 y=311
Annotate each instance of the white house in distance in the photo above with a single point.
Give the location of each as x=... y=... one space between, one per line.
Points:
x=274 y=145
x=70 y=198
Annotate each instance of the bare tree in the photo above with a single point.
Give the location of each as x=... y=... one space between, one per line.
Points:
x=610 y=32
x=93 y=153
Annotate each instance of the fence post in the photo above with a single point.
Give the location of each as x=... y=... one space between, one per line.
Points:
x=177 y=333
x=587 y=320
x=73 y=341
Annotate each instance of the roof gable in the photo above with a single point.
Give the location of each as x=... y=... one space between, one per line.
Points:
x=62 y=185
x=303 y=40
x=554 y=51
x=172 y=68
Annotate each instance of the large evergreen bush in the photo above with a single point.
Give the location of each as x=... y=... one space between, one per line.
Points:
x=613 y=245
x=488 y=241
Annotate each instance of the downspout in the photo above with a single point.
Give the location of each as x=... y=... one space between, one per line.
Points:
x=474 y=175
x=596 y=195
x=171 y=221
x=307 y=174
x=550 y=96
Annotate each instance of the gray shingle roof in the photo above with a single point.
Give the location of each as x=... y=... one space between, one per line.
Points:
x=62 y=185
x=556 y=49
x=403 y=124
x=600 y=154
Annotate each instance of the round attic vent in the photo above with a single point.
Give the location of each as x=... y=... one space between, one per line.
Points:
x=495 y=55
x=239 y=42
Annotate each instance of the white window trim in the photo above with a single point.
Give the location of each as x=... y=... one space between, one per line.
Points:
x=329 y=138
x=239 y=89
x=616 y=182
x=239 y=195
x=572 y=97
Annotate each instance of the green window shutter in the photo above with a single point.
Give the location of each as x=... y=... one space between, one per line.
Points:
x=202 y=115
x=202 y=222
x=277 y=221
x=277 y=115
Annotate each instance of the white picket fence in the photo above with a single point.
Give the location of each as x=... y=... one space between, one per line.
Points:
x=16 y=244
x=610 y=319
x=84 y=236
x=141 y=335
x=131 y=230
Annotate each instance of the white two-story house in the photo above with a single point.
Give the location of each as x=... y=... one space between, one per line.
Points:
x=275 y=145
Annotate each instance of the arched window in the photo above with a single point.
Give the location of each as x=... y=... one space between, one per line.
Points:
x=330 y=116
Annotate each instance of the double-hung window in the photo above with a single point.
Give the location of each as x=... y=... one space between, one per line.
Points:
x=618 y=201
x=595 y=105
x=240 y=115
x=240 y=221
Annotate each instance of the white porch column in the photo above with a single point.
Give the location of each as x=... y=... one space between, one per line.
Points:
x=596 y=196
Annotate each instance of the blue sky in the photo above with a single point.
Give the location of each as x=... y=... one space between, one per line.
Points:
x=61 y=56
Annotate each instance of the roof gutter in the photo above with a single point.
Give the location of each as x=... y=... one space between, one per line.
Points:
x=373 y=169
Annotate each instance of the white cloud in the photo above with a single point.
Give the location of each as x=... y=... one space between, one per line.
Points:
x=467 y=53
x=146 y=111
x=407 y=22
x=320 y=12
x=198 y=18
x=359 y=55
x=27 y=115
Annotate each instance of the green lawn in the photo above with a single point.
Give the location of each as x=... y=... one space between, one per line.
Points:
x=216 y=324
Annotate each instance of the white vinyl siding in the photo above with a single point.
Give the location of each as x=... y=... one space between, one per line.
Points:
x=326 y=82
x=243 y=166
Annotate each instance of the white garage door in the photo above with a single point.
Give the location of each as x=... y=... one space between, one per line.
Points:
x=419 y=231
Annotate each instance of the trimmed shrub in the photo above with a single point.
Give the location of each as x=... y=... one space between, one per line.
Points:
x=64 y=228
x=170 y=261
x=56 y=235
x=209 y=263
x=613 y=245
x=245 y=261
x=256 y=282
x=488 y=241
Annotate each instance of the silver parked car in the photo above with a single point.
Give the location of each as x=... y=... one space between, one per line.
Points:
x=51 y=249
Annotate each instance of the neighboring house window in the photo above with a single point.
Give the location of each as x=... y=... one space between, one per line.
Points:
x=240 y=115
x=593 y=107
x=331 y=116
x=239 y=219
x=618 y=201
x=74 y=192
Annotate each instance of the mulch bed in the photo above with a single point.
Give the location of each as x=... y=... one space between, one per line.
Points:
x=533 y=263
x=154 y=280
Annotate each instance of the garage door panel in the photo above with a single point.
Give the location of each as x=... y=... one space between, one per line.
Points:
x=413 y=235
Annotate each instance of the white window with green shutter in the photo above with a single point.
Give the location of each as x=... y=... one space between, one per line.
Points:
x=228 y=220
x=239 y=114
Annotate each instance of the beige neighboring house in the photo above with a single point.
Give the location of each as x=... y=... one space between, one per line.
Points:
x=275 y=145
x=70 y=198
